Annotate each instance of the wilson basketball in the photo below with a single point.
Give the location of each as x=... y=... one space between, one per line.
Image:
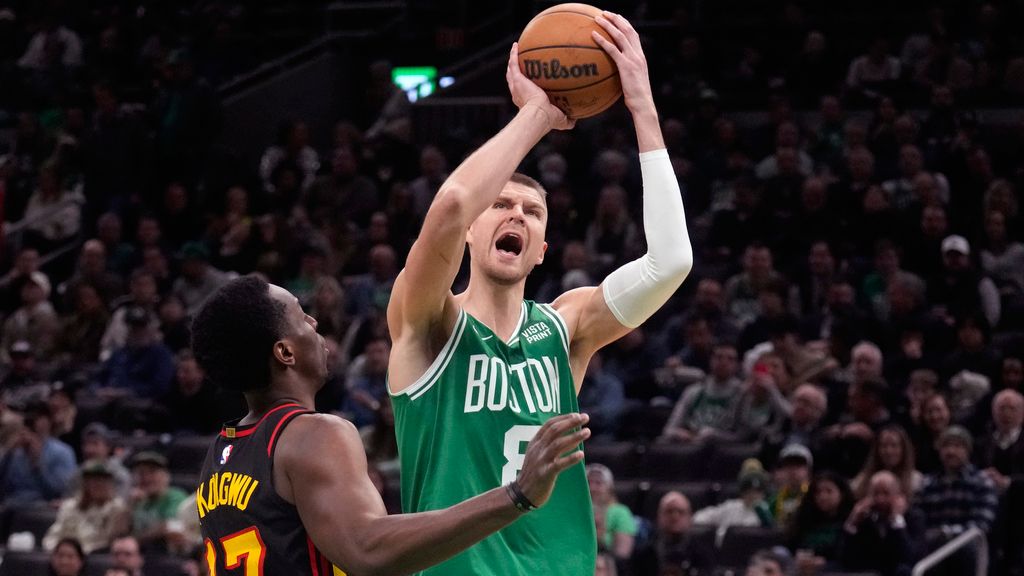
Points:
x=558 y=54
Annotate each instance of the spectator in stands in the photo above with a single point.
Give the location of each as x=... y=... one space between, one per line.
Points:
x=672 y=545
x=892 y=452
x=707 y=409
x=191 y=406
x=959 y=289
x=39 y=468
x=848 y=442
x=109 y=232
x=143 y=367
x=958 y=498
x=771 y=301
x=54 y=213
x=25 y=264
x=367 y=383
x=1002 y=258
x=95 y=515
x=67 y=558
x=750 y=509
x=877 y=535
x=574 y=272
x=762 y=408
x=602 y=396
x=372 y=290
x=292 y=145
x=127 y=555
x=697 y=348
x=92 y=269
x=35 y=321
x=98 y=446
x=142 y=292
x=816 y=526
x=1001 y=455
x=803 y=363
x=343 y=195
x=23 y=384
x=741 y=291
x=922 y=384
x=767 y=563
x=154 y=500
x=616 y=527
x=804 y=426
x=198 y=278
x=174 y=324
x=312 y=267
x=612 y=236
x=328 y=307
x=876 y=67
x=936 y=420
x=972 y=352
x=904 y=190
x=709 y=303
x=82 y=332
x=792 y=478
x=433 y=173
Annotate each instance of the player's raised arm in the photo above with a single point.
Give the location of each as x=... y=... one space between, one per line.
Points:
x=325 y=470
x=420 y=293
x=631 y=294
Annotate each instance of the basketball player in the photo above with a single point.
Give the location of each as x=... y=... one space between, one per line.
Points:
x=473 y=376
x=286 y=491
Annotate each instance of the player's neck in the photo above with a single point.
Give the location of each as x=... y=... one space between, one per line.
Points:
x=497 y=306
x=262 y=401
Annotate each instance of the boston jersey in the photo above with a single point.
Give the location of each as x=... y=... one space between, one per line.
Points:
x=463 y=428
x=248 y=529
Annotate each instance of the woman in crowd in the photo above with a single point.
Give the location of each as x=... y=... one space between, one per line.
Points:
x=616 y=527
x=67 y=558
x=818 y=523
x=892 y=451
x=936 y=417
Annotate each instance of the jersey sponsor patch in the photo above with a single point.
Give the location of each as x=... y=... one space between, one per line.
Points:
x=535 y=332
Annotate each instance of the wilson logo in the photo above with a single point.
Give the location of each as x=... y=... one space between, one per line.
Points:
x=553 y=70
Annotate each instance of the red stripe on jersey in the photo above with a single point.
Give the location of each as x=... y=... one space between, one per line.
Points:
x=326 y=565
x=280 y=423
x=312 y=558
x=249 y=431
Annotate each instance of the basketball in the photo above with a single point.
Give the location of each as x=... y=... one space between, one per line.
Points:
x=557 y=52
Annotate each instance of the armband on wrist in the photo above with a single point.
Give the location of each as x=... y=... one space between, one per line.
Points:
x=515 y=493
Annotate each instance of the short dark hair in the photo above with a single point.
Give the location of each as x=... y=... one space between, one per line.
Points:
x=524 y=180
x=234 y=332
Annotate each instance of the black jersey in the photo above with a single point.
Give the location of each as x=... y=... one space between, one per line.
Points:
x=248 y=529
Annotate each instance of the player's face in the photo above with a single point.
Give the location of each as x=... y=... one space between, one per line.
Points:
x=507 y=240
x=309 y=348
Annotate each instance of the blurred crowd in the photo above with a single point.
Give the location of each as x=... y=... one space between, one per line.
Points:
x=854 y=323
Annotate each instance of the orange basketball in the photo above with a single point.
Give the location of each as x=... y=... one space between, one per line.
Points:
x=558 y=54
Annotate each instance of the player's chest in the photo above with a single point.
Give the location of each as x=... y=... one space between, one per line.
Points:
x=524 y=379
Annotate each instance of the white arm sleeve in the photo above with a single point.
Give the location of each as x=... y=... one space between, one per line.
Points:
x=636 y=290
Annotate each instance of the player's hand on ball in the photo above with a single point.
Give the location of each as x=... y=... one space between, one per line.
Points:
x=526 y=93
x=629 y=57
x=552 y=450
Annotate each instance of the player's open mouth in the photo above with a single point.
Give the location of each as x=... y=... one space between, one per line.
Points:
x=509 y=243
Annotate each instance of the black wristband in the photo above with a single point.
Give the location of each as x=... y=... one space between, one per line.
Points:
x=522 y=503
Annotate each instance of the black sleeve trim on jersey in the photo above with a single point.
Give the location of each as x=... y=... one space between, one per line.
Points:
x=243 y=431
x=288 y=417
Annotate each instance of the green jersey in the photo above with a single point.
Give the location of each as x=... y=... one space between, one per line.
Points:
x=463 y=428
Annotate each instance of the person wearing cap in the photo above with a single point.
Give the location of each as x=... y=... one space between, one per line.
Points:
x=959 y=497
x=142 y=292
x=23 y=384
x=749 y=509
x=35 y=321
x=198 y=278
x=97 y=444
x=960 y=288
x=672 y=546
x=616 y=527
x=792 y=478
x=93 y=516
x=155 y=501
x=144 y=366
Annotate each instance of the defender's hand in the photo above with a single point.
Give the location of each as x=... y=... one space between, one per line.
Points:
x=526 y=93
x=629 y=57
x=551 y=451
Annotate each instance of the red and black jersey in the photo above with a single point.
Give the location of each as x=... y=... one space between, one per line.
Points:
x=248 y=529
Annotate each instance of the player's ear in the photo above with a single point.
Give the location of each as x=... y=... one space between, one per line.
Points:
x=543 y=251
x=284 y=352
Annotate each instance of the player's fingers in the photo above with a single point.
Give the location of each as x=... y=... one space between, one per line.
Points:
x=608 y=46
x=568 y=460
x=622 y=24
x=620 y=39
x=545 y=431
x=565 y=424
x=569 y=441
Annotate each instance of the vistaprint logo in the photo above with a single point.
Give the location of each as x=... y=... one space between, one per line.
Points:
x=553 y=70
x=536 y=331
